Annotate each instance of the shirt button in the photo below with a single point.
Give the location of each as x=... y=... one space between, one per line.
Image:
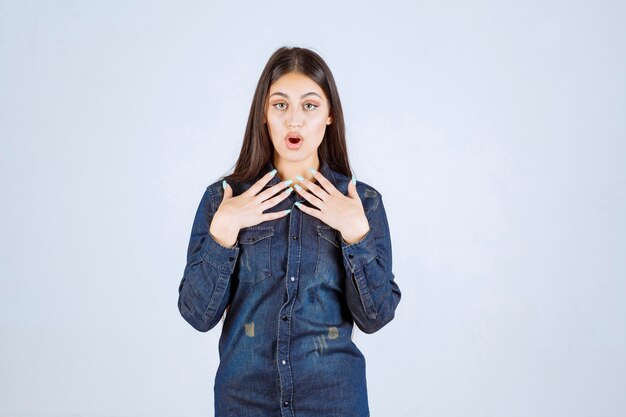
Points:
x=284 y=362
x=293 y=279
x=230 y=259
x=285 y=318
x=350 y=256
x=294 y=237
x=286 y=403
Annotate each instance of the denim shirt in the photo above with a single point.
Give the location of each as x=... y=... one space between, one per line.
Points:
x=295 y=289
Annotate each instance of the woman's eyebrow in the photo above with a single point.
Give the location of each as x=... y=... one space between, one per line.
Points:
x=279 y=93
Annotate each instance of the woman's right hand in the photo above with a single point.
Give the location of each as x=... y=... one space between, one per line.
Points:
x=246 y=209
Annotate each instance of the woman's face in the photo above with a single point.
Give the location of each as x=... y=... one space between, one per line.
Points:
x=296 y=108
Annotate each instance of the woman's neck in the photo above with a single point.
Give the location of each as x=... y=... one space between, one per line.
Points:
x=288 y=170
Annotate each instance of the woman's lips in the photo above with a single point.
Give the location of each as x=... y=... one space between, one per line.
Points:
x=294 y=142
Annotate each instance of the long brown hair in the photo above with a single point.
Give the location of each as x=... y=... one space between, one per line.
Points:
x=257 y=148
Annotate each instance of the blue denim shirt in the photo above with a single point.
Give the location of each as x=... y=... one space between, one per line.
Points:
x=295 y=289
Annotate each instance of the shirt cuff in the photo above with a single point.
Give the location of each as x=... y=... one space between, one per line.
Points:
x=360 y=253
x=222 y=257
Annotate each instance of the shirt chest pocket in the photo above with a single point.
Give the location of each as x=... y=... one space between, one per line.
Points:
x=329 y=266
x=255 y=250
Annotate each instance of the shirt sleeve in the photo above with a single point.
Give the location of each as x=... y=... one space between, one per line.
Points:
x=372 y=294
x=204 y=290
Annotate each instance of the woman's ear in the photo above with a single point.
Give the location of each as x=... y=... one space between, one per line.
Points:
x=329 y=120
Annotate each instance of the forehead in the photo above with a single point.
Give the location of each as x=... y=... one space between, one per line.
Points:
x=295 y=84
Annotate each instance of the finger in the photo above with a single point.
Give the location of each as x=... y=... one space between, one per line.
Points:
x=275 y=215
x=318 y=191
x=352 y=192
x=275 y=200
x=273 y=190
x=258 y=186
x=309 y=197
x=328 y=186
x=228 y=191
x=309 y=210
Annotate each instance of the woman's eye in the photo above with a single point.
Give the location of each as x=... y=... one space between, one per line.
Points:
x=313 y=106
x=277 y=106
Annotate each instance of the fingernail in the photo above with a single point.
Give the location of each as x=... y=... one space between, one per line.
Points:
x=298 y=187
x=312 y=170
x=288 y=190
x=299 y=178
x=288 y=182
x=273 y=172
x=287 y=211
x=224 y=184
x=353 y=179
x=297 y=204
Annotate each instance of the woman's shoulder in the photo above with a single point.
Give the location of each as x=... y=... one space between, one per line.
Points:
x=370 y=196
x=215 y=186
x=214 y=192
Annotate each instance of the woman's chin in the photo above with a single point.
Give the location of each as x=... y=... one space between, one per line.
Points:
x=291 y=155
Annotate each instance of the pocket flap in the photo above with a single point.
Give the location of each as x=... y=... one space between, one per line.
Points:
x=251 y=235
x=329 y=234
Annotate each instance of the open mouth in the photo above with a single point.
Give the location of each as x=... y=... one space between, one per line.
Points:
x=294 y=142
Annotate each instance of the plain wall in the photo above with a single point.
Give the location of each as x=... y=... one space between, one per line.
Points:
x=495 y=131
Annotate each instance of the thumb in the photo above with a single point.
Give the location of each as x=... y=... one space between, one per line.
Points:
x=228 y=191
x=352 y=189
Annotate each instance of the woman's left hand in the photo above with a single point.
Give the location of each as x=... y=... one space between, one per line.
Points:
x=341 y=212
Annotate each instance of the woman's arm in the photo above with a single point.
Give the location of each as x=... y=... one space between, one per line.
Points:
x=204 y=290
x=371 y=292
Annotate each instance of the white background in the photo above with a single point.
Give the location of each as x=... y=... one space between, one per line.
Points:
x=495 y=131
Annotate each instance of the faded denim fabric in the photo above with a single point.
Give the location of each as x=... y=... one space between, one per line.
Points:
x=295 y=290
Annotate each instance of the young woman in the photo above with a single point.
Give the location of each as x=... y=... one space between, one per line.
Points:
x=291 y=271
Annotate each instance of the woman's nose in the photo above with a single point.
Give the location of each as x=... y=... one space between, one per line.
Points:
x=294 y=119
